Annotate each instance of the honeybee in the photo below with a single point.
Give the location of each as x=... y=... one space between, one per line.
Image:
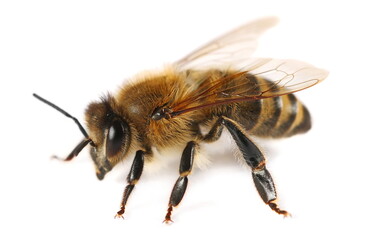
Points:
x=190 y=102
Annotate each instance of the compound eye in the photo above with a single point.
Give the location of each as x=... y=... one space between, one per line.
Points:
x=115 y=138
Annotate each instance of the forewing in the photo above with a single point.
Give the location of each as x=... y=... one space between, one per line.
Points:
x=232 y=47
x=280 y=77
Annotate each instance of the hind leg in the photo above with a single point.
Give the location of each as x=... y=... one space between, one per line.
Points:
x=256 y=161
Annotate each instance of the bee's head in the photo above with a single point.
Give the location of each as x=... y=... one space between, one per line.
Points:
x=109 y=133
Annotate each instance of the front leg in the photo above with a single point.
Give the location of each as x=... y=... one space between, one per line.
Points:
x=255 y=159
x=133 y=176
x=181 y=183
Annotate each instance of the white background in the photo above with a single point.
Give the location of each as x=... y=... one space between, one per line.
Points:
x=72 y=52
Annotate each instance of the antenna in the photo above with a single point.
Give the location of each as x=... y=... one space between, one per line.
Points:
x=64 y=113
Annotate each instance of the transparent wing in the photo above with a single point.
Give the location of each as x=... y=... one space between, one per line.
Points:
x=231 y=48
x=286 y=76
x=278 y=77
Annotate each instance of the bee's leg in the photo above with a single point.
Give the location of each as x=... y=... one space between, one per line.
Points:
x=255 y=159
x=215 y=132
x=133 y=177
x=181 y=183
x=75 y=151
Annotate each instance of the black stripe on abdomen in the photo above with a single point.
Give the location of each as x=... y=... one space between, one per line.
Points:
x=249 y=112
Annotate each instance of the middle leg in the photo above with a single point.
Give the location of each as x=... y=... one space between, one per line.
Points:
x=181 y=183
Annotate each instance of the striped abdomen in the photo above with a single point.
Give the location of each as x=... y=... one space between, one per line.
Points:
x=281 y=116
